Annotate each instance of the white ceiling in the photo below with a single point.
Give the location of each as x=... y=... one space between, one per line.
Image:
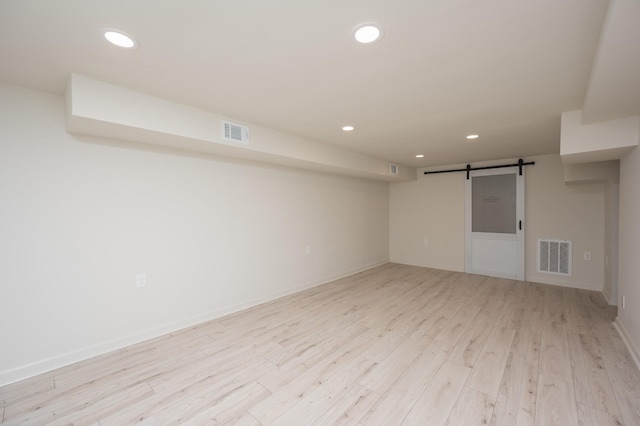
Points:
x=505 y=69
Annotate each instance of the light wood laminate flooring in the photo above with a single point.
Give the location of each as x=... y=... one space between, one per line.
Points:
x=394 y=345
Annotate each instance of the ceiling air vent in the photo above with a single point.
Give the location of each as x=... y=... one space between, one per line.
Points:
x=393 y=169
x=554 y=256
x=235 y=132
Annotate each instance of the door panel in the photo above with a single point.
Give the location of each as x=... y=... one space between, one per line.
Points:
x=494 y=255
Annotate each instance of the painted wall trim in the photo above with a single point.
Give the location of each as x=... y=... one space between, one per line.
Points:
x=560 y=283
x=622 y=331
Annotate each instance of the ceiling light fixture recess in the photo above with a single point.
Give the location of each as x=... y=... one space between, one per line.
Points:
x=367 y=33
x=472 y=137
x=120 y=39
x=348 y=128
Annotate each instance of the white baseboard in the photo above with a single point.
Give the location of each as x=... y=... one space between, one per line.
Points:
x=607 y=297
x=49 y=364
x=633 y=350
x=561 y=283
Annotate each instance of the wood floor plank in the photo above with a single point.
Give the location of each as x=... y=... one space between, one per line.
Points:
x=471 y=408
x=438 y=399
x=68 y=404
x=208 y=367
x=554 y=305
x=511 y=314
x=530 y=341
x=288 y=392
x=554 y=352
x=508 y=402
x=395 y=404
x=456 y=326
x=487 y=372
x=91 y=414
x=528 y=395
x=243 y=419
x=313 y=345
x=581 y=382
x=204 y=411
x=58 y=402
x=382 y=377
x=210 y=388
x=325 y=356
x=589 y=416
x=578 y=317
x=586 y=356
x=556 y=403
x=28 y=388
x=391 y=345
x=316 y=403
x=351 y=408
x=134 y=365
x=468 y=348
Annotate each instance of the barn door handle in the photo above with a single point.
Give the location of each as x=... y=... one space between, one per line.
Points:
x=520 y=225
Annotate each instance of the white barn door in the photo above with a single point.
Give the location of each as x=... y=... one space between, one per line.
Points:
x=494 y=223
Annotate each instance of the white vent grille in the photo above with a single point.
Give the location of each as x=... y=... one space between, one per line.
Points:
x=393 y=169
x=554 y=256
x=235 y=132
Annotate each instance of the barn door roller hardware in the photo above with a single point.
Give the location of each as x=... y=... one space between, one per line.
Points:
x=520 y=164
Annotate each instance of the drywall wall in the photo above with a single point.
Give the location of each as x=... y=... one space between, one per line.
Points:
x=598 y=171
x=100 y=109
x=611 y=229
x=602 y=141
x=629 y=248
x=79 y=218
x=427 y=221
x=567 y=212
x=433 y=208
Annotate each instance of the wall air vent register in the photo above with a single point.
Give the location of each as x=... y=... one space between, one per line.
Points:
x=235 y=132
x=554 y=256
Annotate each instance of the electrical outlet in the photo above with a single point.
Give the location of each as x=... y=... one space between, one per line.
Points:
x=308 y=250
x=587 y=255
x=425 y=242
x=141 y=280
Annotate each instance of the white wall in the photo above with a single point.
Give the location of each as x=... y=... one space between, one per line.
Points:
x=433 y=208
x=430 y=208
x=79 y=220
x=606 y=140
x=100 y=109
x=612 y=214
x=629 y=251
x=573 y=212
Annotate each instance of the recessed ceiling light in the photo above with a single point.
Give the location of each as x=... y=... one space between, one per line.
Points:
x=367 y=33
x=120 y=39
x=348 y=128
x=419 y=155
x=472 y=137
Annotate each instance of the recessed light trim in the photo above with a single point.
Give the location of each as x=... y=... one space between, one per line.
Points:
x=419 y=155
x=473 y=136
x=348 y=128
x=120 y=39
x=367 y=33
